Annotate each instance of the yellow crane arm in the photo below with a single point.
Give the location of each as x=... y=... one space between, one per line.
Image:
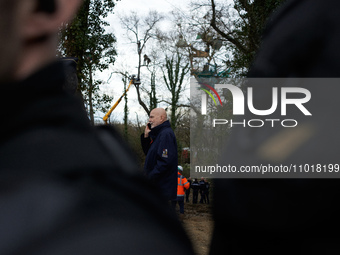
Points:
x=107 y=115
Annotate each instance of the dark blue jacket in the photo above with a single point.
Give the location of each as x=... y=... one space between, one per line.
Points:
x=161 y=159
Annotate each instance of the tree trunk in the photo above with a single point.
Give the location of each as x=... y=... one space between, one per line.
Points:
x=90 y=96
x=126 y=111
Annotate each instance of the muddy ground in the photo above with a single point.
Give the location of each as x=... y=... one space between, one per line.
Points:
x=199 y=225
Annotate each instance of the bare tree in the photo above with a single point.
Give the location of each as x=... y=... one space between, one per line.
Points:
x=140 y=31
x=199 y=42
x=243 y=31
x=173 y=75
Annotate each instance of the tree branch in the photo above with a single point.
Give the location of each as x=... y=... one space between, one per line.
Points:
x=223 y=34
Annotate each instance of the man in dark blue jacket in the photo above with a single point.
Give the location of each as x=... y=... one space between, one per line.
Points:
x=160 y=147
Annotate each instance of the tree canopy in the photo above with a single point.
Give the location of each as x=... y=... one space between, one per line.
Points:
x=86 y=38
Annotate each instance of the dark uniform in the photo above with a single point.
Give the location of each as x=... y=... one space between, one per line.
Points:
x=202 y=191
x=195 y=189
x=187 y=192
x=207 y=188
x=287 y=216
x=70 y=188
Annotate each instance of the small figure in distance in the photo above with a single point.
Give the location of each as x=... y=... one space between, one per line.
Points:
x=182 y=186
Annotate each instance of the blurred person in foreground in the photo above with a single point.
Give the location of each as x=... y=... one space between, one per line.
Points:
x=287 y=216
x=66 y=187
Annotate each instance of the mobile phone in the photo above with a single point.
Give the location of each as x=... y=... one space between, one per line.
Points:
x=149 y=125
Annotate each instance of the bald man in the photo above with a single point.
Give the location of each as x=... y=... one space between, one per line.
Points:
x=160 y=147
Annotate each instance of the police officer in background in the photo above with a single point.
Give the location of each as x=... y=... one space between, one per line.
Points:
x=207 y=188
x=195 y=189
x=187 y=192
x=202 y=190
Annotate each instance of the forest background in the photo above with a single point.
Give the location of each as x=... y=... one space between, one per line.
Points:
x=204 y=38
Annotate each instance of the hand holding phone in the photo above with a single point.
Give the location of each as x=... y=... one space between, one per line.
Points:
x=147 y=130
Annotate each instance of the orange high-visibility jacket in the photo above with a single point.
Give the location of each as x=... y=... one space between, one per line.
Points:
x=183 y=185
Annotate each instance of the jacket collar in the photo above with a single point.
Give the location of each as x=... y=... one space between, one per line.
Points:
x=49 y=79
x=39 y=100
x=156 y=130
